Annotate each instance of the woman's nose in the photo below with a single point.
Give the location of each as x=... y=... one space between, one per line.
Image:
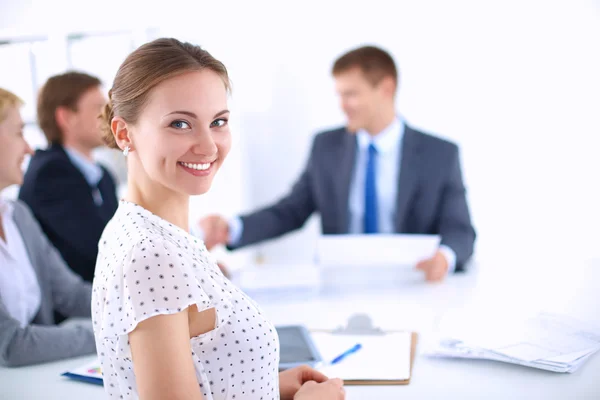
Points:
x=205 y=145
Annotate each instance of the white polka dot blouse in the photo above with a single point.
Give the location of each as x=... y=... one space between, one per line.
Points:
x=146 y=267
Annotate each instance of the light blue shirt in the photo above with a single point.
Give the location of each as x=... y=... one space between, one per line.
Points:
x=389 y=157
x=91 y=171
x=388 y=144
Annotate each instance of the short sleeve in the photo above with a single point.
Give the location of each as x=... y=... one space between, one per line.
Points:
x=161 y=277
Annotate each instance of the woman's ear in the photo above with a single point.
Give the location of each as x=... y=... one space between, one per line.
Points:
x=122 y=133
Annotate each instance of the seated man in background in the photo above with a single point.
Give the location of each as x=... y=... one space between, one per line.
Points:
x=72 y=197
x=34 y=280
x=375 y=175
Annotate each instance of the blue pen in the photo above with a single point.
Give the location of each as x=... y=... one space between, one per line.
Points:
x=346 y=353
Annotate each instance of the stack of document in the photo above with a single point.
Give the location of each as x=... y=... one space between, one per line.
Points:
x=546 y=341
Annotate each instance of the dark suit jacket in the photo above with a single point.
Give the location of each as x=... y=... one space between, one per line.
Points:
x=62 y=201
x=431 y=195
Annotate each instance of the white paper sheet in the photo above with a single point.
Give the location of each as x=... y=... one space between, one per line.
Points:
x=382 y=357
x=381 y=250
x=543 y=336
x=548 y=341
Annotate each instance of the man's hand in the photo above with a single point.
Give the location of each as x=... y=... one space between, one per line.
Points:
x=291 y=380
x=435 y=268
x=216 y=230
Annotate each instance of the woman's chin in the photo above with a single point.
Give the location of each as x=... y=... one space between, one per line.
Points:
x=18 y=180
x=197 y=190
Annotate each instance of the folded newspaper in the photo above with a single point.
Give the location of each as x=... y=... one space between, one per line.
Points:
x=546 y=341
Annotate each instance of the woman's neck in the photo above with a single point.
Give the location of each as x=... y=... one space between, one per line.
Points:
x=170 y=206
x=2 y=233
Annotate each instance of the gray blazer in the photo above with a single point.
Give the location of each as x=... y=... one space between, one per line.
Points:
x=431 y=194
x=62 y=290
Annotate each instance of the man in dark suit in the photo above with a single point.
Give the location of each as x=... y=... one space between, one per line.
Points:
x=72 y=197
x=376 y=175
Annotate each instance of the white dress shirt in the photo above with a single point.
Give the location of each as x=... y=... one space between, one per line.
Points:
x=91 y=171
x=19 y=286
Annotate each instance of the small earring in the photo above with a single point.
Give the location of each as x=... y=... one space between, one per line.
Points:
x=126 y=151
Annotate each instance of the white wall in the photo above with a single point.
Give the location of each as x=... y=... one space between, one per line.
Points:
x=514 y=83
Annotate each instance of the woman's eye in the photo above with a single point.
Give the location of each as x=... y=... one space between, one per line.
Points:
x=219 y=122
x=179 y=124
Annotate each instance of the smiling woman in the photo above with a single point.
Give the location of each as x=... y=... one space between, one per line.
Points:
x=167 y=323
x=34 y=279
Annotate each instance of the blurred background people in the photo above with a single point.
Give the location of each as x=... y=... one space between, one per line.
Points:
x=72 y=196
x=34 y=279
x=375 y=175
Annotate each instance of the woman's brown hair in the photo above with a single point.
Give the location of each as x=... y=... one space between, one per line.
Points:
x=145 y=68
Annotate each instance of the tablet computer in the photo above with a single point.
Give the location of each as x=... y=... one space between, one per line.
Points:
x=296 y=347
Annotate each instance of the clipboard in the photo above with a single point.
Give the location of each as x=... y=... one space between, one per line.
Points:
x=413 y=351
x=361 y=325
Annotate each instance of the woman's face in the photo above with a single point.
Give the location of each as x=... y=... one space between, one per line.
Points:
x=182 y=136
x=13 y=148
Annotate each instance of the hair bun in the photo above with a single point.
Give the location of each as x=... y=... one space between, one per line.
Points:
x=105 y=121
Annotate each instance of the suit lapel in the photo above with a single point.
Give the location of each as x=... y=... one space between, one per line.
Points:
x=408 y=176
x=346 y=162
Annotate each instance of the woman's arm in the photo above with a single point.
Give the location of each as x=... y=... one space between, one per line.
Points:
x=70 y=294
x=162 y=356
x=34 y=344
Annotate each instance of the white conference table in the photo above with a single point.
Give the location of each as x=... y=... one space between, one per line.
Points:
x=568 y=287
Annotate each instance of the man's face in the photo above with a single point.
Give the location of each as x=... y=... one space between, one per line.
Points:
x=84 y=125
x=359 y=98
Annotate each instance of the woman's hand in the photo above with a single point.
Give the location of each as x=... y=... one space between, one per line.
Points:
x=332 y=389
x=292 y=379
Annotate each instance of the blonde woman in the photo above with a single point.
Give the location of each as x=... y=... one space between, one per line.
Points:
x=34 y=279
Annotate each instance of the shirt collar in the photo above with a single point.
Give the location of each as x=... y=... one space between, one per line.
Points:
x=386 y=140
x=90 y=170
x=6 y=208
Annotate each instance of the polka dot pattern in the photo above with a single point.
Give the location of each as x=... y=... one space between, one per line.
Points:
x=147 y=267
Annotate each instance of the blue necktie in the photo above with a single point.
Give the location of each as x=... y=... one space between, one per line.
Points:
x=371 y=223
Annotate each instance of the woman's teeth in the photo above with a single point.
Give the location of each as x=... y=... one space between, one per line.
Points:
x=198 y=167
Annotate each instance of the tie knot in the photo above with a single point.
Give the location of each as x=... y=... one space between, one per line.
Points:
x=372 y=149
